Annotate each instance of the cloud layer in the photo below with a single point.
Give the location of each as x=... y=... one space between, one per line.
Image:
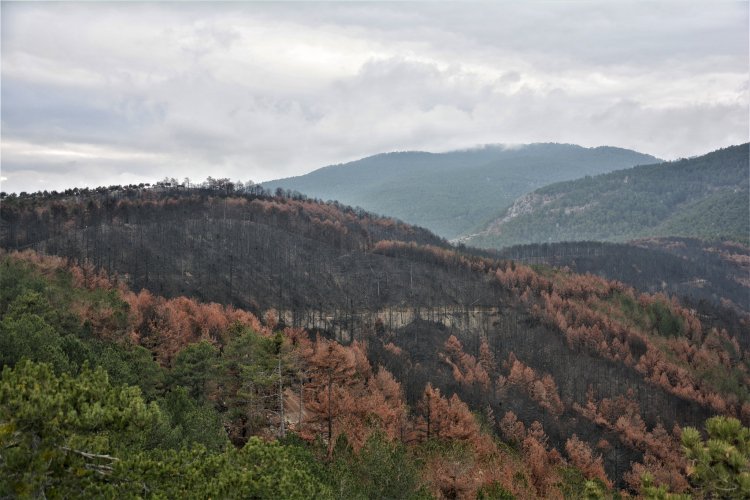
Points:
x=116 y=93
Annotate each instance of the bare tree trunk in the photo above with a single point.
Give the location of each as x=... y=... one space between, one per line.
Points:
x=330 y=417
x=281 y=401
x=301 y=402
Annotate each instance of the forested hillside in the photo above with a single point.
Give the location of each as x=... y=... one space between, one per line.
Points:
x=453 y=193
x=575 y=377
x=208 y=409
x=705 y=197
x=713 y=276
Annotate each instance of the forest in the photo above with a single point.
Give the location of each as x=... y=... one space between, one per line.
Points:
x=709 y=276
x=216 y=341
x=705 y=197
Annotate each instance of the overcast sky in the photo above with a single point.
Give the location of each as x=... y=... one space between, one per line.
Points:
x=113 y=93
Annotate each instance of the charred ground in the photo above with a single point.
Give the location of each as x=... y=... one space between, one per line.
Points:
x=572 y=352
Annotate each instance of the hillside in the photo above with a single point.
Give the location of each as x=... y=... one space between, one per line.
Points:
x=709 y=276
x=453 y=193
x=704 y=197
x=212 y=407
x=563 y=367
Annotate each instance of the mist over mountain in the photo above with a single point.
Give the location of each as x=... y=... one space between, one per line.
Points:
x=452 y=193
x=705 y=197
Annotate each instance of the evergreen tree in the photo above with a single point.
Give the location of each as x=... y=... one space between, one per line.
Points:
x=720 y=466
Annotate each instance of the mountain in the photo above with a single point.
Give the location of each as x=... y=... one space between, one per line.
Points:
x=705 y=197
x=567 y=369
x=453 y=193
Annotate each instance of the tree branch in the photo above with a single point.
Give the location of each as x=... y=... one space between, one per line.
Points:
x=91 y=455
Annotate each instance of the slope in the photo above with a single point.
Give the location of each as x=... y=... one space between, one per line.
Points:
x=452 y=193
x=704 y=197
x=563 y=354
x=709 y=276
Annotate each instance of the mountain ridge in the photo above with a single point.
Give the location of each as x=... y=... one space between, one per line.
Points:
x=704 y=197
x=451 y=193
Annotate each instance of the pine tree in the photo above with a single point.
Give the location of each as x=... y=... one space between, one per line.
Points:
x=719 y=466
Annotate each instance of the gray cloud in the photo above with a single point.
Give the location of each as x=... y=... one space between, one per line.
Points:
x=118 y=92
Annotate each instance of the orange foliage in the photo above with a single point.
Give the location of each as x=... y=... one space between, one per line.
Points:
x=466 y=370
x=662 y=450
x=344 y=397
x=511 y=428
x=327 y=398
x=581 y=456
x=84 y=275
x=486 y=356
x=166 y=326
x=479 y=461
x=541 y=389
x=446 y=418
x=393 y=349
x=578 y=306
x=663 y=473
x=541 y=462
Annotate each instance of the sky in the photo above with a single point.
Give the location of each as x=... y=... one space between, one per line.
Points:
x=117 y=93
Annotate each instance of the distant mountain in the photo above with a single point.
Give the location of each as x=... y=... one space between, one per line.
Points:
x=453 y=193
x=705 y=197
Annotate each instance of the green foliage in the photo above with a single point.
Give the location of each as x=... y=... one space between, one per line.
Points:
x=494 y=491
x=720 y=466
x=54 y=298
x=258 y=470
x=663 y=320
x=69 y=431
x=50 y=423
x=574 y=484
x=25 y=334
x=66 y=436
x=718 y=216
x=15 y=279
x=650 y=491
x=659 y=318
x=386 y=470
x=31 y=327
x=192 y=422
x=38 y=323
x=381 y=470
x=194 y=367
x=729 y=381
x=131 y=365
x=594 y=490
x=248 y=375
